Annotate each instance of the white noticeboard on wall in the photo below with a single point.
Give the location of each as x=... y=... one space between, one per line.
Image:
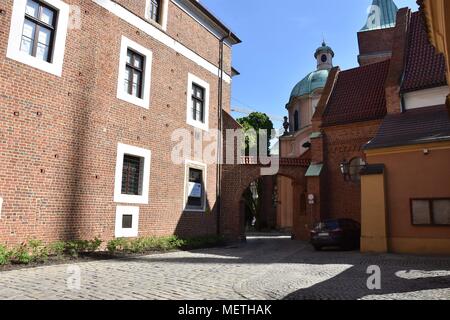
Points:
x=195 y=190
x=1 y=204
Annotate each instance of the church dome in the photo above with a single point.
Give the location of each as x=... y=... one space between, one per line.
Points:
x=313 y=81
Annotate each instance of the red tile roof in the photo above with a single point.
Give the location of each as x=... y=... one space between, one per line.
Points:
x=425 y=67
x=415 y=126
x=358 y=95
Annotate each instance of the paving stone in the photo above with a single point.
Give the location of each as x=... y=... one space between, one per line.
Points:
x=263 y=268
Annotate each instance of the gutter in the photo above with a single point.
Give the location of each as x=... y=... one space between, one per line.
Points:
x=220 y=137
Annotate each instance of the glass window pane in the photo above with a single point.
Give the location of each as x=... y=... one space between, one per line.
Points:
x=136 y=77
x=441 y=212
x=421 y=212
x=137 y=83
x=42 y=52
x=138 y=61
x=195 y=188
x=32 y=8
x=28 y=29
x=195 y=175
x=26 y=45
x=47 y=16
x=134 y=89
x=44 y=36
x=127 y=221
x=129 y=55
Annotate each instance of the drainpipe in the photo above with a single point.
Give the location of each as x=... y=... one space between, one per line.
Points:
x=219 y=140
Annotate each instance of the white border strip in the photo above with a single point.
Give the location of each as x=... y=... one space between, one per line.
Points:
x=183 y=6
x=159 y=35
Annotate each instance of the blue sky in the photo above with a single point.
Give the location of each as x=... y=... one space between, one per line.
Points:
x=279 y=40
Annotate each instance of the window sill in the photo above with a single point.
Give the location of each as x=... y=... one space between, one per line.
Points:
x=133 y=100
x=34 y=62
x=198 y=125
x=186 y=211
x=123 y=198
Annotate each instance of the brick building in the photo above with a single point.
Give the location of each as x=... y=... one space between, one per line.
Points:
x=408 y=175
x=90 y=94
x=379 y=140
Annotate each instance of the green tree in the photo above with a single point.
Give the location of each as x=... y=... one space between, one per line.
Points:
x=256 y=121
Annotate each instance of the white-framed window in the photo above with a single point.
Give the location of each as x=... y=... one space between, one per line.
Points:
x=38 y=32
x=198 y=96
x=134 y=73
x=157 y=11
x=127 y=222
x=132 y=178
x=195 y=186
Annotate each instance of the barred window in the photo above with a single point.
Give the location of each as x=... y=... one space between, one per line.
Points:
x=131 y=175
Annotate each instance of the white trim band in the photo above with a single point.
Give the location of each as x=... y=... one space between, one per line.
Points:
x=160 y=36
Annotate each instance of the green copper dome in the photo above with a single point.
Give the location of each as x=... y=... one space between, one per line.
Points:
x=313 y=81
x=382 y=15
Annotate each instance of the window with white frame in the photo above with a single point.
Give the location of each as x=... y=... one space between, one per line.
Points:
x=195 y=187
x=198 y=103
x=38 y=34
x=132 y=176
x=157 y=11
x=127 y=222
x=134 y=73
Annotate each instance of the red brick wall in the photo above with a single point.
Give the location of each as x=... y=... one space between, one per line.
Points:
x=58 y=153
x=372 y=43
x=340 y=198
x=397 y=64
x=183 y=28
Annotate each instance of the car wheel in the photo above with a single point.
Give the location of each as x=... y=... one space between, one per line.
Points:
x=318 y=248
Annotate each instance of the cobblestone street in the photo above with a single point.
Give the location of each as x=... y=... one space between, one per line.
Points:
x=264 y=268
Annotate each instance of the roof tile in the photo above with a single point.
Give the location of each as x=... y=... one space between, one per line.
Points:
x=425 y=67
x=422 y=125
x=358 y=95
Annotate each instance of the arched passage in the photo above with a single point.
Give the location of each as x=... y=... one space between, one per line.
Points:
x=237 y=178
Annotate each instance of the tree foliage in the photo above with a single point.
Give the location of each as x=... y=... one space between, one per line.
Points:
x=256 y=121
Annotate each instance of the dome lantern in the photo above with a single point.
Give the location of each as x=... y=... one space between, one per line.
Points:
x=324 y=56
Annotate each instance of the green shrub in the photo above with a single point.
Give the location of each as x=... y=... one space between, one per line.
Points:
x=4 y=255
x=117 y=245
x=75 y=247
x=21 y=254
x=203 y=242
x=57 y=248
x=93 y=245
x=39 y=252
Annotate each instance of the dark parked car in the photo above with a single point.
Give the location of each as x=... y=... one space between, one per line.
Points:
x=343 y=233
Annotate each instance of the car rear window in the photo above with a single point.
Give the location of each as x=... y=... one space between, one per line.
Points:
x=328 y=225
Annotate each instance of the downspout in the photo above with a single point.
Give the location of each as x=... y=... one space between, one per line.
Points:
x=219 y=138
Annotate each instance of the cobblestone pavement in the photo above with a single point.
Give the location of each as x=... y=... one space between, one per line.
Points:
x=264 y=268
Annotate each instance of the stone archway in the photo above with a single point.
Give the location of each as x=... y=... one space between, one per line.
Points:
x=237 y=178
